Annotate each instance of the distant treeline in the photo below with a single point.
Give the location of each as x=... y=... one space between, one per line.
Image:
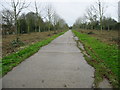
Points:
x=29 y=22
x=107 y=24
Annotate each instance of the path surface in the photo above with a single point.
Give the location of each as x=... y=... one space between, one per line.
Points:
x=59 y=64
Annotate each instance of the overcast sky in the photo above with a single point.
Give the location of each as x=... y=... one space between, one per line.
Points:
x=70 y=10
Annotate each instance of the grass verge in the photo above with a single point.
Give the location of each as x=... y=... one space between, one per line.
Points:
x=12 y=60
x=103 y=57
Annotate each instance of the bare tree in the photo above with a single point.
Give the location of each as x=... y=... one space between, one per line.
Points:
x=100 y=9
x=101 y=12
x=38 y=14
x=1 y=29
x=91 y=13
x=55 y=19
x=36 y=9
x=7 y=17
x=17 y=7
x=49 y=14
x=7 y=21
x=62 y=23
x=96 y=11
x=80 y=21
x=0 y=20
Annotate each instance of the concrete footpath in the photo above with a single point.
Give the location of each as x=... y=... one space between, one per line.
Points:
x=59 y=64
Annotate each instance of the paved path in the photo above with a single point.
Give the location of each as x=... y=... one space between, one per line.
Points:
x=59 y=64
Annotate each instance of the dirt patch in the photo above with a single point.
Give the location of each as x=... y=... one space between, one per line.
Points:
x=27 y=39
x=105 y=84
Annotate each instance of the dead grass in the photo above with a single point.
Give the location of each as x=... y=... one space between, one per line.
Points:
x=26 y=38
x=109 y=37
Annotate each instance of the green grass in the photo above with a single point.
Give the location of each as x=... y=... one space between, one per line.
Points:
x=104 y=58
x=14 y=59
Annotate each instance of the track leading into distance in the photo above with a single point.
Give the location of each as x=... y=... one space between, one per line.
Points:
x=59 y=64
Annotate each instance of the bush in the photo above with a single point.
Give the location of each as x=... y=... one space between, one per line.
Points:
x=17 y=42
x=90 y=33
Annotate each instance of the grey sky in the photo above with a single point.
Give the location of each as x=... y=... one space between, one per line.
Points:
x=70 y=10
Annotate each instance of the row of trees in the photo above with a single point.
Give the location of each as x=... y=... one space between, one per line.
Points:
x=13 y=22
x=95 y=18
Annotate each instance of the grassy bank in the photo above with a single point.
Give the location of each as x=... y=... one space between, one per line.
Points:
x=103 y=57
x=12 y=60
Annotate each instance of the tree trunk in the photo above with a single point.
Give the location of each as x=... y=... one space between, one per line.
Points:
x=108 y=28
x=28 y=28
x=101 y=27
x=39 y=28
x=16 y=27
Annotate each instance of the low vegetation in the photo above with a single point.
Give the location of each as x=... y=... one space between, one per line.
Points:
x=109 y=37
x=9 y=44
x=103 y=57
x=12 y=60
